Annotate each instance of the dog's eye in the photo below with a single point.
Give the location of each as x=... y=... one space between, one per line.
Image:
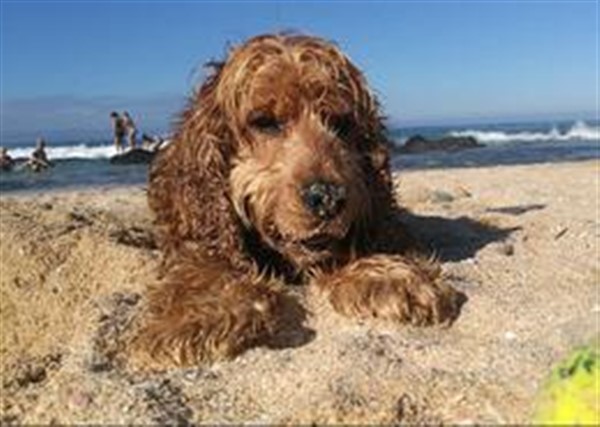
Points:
x=342 y=124
x=266 y=124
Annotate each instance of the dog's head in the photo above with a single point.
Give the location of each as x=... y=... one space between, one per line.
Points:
x=289 y=125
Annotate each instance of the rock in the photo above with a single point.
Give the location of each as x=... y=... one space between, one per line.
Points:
x=507 y=249
x=419 y=144
x=134 y=236
x=132 y=157
x=81 y=399
x=439 y=196
x=32 y=371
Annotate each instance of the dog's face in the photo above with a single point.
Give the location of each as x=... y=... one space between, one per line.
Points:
x=303 y=122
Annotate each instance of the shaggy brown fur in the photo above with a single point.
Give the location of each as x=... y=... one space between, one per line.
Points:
x=278 y=168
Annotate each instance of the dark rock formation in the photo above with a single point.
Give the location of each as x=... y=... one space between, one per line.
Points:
x=419 y=144
x=135 y=156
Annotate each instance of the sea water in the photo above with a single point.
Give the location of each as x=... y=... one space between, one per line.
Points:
x=506 y=144
x=86 y=164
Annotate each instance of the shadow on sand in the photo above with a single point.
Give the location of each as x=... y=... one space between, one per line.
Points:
x=453 y=239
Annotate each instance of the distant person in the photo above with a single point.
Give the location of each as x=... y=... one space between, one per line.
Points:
x=151 y=143
x=130 y=128
x=147 y=141
x=6 y=162
x=118 y=130
x=39 y=159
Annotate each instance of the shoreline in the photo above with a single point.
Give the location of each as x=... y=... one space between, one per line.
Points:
x=397 y=172
x=71 y=190
x=521 y=241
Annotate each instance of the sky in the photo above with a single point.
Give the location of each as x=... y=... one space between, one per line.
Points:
x=64 y=65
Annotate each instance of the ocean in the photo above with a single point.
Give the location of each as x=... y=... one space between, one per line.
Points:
x=85 y=163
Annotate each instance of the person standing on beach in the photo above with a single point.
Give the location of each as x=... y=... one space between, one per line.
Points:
x=38 y=159
x=130 y=129
x=6 y=162
x=118 y=130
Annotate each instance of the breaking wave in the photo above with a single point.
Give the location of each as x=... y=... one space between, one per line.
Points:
x=80 y=151
x=579 y=131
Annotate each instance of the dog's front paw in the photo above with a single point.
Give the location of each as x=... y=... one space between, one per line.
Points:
x=204 y=327
x=392 y=288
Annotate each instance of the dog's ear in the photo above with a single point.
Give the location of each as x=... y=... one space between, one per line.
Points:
x=375 y=144
x=378 y=172
x=376 y=148
x=189 y=180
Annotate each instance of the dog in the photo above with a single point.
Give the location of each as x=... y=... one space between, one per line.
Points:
x=278 y=171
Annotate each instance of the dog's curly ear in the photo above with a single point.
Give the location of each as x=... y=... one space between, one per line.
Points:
x=377 y=151
x=374 y=143
x=188 y=180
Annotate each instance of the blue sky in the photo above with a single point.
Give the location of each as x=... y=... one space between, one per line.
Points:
x=66 y=64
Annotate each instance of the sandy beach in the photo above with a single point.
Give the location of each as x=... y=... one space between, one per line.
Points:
x=520 y=241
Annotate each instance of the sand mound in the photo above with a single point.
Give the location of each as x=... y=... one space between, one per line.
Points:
x=521 y=242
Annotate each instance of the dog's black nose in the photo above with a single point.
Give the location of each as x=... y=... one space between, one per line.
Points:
x=324 y=199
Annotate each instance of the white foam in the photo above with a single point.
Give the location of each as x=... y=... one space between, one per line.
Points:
x=579 y=131
x=80 y=151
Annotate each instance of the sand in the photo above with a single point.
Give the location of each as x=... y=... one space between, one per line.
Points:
x=521 y=242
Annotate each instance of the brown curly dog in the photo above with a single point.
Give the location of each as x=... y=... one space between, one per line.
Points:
x=279 y=168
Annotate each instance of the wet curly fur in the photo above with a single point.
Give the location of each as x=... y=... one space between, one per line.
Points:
x=279 y=168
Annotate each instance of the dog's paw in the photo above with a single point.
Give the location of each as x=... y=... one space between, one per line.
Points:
x=393 y=288
x=204 y=328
